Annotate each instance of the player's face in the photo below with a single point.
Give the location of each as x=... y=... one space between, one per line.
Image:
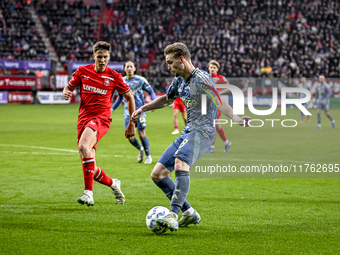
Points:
x=213 y=70
x=101 y=60
x=175 y=65
x=130 y=69
x=321 y=78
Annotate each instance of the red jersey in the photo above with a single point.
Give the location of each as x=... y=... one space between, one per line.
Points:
x=220 y=79
x=97 y=90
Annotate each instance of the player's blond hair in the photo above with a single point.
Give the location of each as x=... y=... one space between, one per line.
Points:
x=177 y=49
x=101 y=45
x=215 y=63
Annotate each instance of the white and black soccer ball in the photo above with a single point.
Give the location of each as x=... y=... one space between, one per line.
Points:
x=155 y=213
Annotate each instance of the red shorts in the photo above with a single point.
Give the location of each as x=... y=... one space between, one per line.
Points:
x=97 y=124
x=178 y=104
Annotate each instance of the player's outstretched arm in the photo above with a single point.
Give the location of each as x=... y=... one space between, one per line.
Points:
x=130 y=129
x=228 y=111
x=225 y=91
x=158 y=103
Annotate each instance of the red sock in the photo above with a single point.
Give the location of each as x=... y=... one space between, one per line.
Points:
x=176 y=126
x=222 y=135
x=103 y=178
x=214 y=140
x=88 y=171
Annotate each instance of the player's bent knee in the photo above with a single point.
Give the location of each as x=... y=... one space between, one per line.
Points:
x=84 y=149
x=154 y=177
x=157 y=175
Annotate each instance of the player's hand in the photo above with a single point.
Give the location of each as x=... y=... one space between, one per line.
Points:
x=136 y=115
x=245 y=121
x=67 y=93
x=130 y=130
x=325 y=101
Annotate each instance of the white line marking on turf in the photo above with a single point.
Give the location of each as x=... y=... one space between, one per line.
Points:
x=38 y=147
x=53 y=149
x=60 y=154
x=131 y=156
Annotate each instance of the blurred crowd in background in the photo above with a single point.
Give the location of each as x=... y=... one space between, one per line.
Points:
x=250 y=38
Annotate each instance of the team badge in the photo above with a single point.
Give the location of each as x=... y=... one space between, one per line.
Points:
x=107 y=82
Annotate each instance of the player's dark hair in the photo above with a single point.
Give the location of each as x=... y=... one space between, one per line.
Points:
x=178 y=49
x=215 y=63
x=101 y=45
x=134 y=63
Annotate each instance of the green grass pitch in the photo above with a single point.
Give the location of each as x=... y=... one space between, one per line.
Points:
x=41 y=177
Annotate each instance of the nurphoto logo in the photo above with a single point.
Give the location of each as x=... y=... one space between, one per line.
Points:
x=238 y=104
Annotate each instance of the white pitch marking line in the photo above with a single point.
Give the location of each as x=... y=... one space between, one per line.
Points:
x=37 y=147
x=53 y=149
x=130 y=156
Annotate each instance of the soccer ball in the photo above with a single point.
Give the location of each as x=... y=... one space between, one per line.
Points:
x=155 y=213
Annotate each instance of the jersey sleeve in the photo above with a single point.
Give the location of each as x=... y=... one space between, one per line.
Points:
x=206 y=85
x=75 y=80
x=121 y=86
x=172 y=90
x=147 y=87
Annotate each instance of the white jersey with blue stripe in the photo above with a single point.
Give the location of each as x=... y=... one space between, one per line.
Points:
x=190 y=92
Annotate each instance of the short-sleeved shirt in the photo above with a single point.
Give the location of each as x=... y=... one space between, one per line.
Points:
x=190 y=91
x=198 y=135
x=220 y=79
x=322 y=92
x=138 y=85
x=97 y=90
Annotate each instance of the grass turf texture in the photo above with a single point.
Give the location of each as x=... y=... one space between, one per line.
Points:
x=41 y=177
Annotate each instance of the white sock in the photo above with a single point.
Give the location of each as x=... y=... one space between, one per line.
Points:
x=88 y=192
x=226 y=142
x=189 y=212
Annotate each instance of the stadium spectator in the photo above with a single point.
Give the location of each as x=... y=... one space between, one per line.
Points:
x=19 y=38
x=249 y=38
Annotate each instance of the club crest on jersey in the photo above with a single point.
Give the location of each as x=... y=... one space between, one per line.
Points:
x=107 y=82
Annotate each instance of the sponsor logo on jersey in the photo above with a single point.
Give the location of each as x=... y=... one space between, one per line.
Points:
x=86 y=77
x=94 y=89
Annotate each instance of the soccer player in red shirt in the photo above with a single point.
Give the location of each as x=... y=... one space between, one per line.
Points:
x=178 y=106
x=98 y=83
x=213 y=67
